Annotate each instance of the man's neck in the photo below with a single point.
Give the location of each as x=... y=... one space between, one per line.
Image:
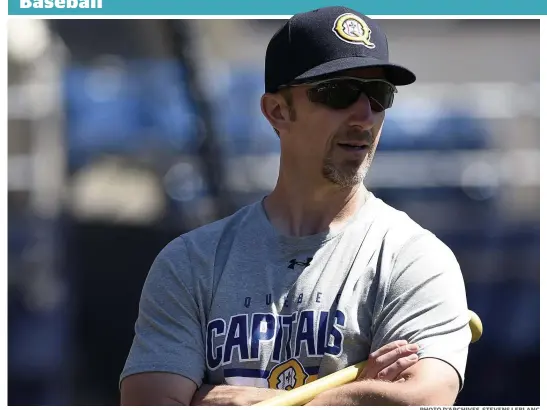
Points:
x=304 y=210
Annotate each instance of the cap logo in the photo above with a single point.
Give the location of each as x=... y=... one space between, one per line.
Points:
x=353 y=29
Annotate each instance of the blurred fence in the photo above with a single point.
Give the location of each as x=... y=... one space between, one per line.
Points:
x=125 y=133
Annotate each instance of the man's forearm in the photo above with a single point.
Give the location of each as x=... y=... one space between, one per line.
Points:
x=368 y=393
x=226 y=395
x=201 y=394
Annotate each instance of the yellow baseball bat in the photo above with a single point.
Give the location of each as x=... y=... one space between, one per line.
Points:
x=306 y=393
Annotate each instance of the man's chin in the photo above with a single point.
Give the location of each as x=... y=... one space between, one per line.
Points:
x=344 y=179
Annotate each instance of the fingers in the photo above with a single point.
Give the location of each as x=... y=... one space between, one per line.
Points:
x=390 y=360
x=391 y=372
x=386 y=349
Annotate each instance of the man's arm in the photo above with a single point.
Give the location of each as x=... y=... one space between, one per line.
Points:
x=157 y=389
x=166 y=362
x=424 y=302
x=226 y=395
x=429 y=382
x=388 y=362
x=167 y=389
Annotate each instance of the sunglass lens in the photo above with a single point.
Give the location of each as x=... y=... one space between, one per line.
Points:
x=380 y=94
x=335 y=94
x=342 y=94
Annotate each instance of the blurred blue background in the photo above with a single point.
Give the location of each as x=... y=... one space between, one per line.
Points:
x=123 y=134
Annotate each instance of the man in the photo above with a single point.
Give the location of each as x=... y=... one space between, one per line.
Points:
x=318 y=275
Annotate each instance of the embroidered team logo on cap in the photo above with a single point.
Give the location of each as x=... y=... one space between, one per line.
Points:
x=353 y=29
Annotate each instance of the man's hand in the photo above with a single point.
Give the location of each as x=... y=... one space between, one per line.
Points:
x=389 y=361
x=226 y=395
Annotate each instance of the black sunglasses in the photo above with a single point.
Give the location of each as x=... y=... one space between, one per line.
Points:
x=342 y=92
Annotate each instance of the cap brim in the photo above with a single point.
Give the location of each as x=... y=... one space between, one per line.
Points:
x=395 y=74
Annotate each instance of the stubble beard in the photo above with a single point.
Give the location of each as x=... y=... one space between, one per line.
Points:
x=346 y=175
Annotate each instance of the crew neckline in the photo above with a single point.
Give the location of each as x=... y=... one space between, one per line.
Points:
x=315 y=239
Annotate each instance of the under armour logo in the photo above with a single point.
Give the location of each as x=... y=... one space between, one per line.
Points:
x=294 y=262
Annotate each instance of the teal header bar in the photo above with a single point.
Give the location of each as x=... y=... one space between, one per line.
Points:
x=277 y=7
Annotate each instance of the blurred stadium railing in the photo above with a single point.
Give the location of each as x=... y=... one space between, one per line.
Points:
x=126 y=133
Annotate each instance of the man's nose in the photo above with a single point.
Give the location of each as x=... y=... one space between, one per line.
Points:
x=361 y=114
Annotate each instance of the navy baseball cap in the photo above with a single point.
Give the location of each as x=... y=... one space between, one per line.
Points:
x=321 y=42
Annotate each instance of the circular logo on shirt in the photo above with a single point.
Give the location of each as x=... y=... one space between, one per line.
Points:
x=287 y=376
x=353 y=29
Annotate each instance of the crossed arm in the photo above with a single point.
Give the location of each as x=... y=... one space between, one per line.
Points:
x=428 y=382
x=393 y=377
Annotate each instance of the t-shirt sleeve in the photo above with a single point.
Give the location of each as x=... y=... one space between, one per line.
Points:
x=424 y=301
x=168 y=336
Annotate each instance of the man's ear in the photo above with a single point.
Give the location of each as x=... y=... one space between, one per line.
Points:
x=275 y=109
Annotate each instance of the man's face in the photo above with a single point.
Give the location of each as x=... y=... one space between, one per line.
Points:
x=339 y=143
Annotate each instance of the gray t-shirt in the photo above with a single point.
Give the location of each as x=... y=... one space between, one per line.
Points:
x=235 y=302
